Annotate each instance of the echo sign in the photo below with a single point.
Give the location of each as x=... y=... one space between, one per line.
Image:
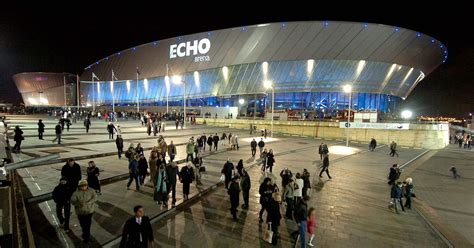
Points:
x=193 y=48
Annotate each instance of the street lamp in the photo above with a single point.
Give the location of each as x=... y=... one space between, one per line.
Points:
x=407 y=114
x=269 y=84
x=178 y=80
x=348 y=89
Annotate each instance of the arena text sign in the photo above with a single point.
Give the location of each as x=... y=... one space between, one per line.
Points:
x=197 y=48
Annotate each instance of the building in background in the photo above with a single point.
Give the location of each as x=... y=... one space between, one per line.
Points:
x=47 y=89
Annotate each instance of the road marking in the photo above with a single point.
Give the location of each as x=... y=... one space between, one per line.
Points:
x=417 y=148
x=37 y=186
x=406 y=147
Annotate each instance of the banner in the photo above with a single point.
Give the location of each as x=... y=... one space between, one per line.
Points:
x=404 y=126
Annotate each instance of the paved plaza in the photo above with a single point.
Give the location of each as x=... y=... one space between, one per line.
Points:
x=351 y=209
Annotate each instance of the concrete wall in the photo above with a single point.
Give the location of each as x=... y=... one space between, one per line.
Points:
x=428 y=136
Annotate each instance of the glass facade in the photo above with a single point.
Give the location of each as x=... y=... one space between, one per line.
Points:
x=301 y=85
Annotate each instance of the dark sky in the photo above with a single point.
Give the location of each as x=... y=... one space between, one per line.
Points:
x=68 y=39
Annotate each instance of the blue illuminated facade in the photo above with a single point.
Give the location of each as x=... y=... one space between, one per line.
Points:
x=307 y=64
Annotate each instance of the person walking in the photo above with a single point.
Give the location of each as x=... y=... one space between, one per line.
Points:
x=253 y=147
x=215 y=139
x=240 y=167
x=274 y=215
x=223 y=138
x=142 y=169
x=18 y=138
x=209 y=142
x=409 y=192
x=152 y=164
x=62 y=197
x=372 y=145
x=265 y=192
x=137 y=231
x=455 y=172
x=263 y=159
x=288 y=196
x=301 y=216
x=245 y=185
x=320 y=151
x=311 y=225
x=394 y=174
x=58 y=131
x=306 y=182
x=139 y=150
x=270 y=160
x=197 y=168
x=40 y=129
x=228 y=170
x=84 y=200
x=72 y=172
x=119 y=131
x=186 y=177
x=93 y=177
x=87 y=124
x=172 y=173
x=234 y=193
x=325 y=166
x=261 y=145
x=393 y=149
x=160 y=194
x=298 y=189
x=171 y=151
x=111 y=129
x=190 y=150
x=133 y=172
x=119 y=144
x=396 y=194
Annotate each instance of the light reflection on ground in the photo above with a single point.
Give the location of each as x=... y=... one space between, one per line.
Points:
x=257 y=138
x=343 y=150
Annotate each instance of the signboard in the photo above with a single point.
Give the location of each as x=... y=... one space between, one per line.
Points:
x=396 y=126
x=192 y=48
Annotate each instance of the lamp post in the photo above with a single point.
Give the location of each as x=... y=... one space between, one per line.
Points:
x=348 y=89
x=269 y=84
x=178 y=80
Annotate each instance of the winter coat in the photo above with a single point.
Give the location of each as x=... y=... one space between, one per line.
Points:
x=172 y=172
x=285 y=177
x=299 y=191
x=58 y=129
x=161 y=179
x=133 y=232
x=93 y=177
x=133 y=167
x=245 y=183
x=209 y=141
x=234 y=192
x=227 y=169
x=396 y=192
x=18 y=135
x=171 y=150
x=274 y=214
x=265 y=193
x=62 y=193
x=84 y=201
x=301 y=212
x=289 y=191
x=190 y=148
x=261 y=143
x=40 y=127
x=306 y=181
x=119 y=143
x=253 y=144
x=142 y=166
x=186 y=175
x=72 y=174
x=394 y=174
x=270 y=159
x=216 y=139
x=311 y=225
x=153 y=168
x=325 y=162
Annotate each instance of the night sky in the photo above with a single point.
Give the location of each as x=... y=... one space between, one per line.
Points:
x=69 y=39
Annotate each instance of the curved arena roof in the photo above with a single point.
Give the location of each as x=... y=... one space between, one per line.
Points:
x=375 y=58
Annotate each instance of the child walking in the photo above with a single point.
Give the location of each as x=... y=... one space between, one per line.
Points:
x=311 y=225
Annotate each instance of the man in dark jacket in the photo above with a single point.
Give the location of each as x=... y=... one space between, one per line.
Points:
x=203 y=140
x=62 y=197
x=58 y=131
x=87 y=124
x=215 y=138
x=119 y=143
x=274 y=215
x=142 y=169
x=245 y=185
x=172 y=172
x=111 y=129
x=372 y=145
x=325 y=166
x=286 y=175
x=40 y=129
x=253 y=147
x=394 y=174
x=137 y=232
x=72 y=172
x=234 y=192
x=261 y=145
x=227 y=171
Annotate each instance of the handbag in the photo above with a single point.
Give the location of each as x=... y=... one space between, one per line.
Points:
x=202 y=169
x=222 y=178
x=268 y=233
